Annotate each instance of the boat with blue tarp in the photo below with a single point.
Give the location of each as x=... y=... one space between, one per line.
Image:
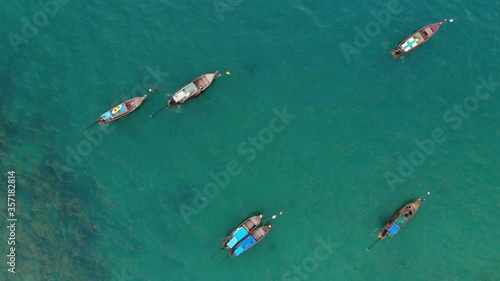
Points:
x=255 y=237
x=242 y=231
x=400 y=218
x=121 y=110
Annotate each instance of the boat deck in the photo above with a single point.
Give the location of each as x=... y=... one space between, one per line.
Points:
x=202 y=82
x=427 y=32
x=189 y=90
x=413 y=41
x=259 y=233
x=250 y=224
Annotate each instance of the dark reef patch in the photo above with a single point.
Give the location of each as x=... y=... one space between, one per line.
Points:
x=251 y=68
x=57 y=243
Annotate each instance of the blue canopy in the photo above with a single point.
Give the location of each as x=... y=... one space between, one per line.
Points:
x=237 y=236
x=245 y=245
x=118 y=109
x=241 y=233
x=394 y=229
x=232 y=242
x=106 y=115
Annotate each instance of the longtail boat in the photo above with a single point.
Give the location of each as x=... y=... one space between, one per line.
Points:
x=119 y=111
x=193 y=89
x=400 y=218
x=241 y=231
x=417 y=39
x=255 y=237
x=247 y=242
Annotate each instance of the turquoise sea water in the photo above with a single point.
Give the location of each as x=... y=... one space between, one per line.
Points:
x=111 y=204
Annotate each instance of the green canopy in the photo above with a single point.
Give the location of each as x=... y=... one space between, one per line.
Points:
x=400 y=220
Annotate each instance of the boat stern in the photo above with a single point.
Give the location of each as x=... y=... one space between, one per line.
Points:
x=396 y=53
x=105 y=117
x=172 y=103
x=382 y=234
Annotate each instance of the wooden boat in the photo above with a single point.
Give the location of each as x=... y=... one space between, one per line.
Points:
x=242 y=231
x=401 y=217
x=121 y=110
x=417 y=39
x=193 y=89
x=255 y=237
